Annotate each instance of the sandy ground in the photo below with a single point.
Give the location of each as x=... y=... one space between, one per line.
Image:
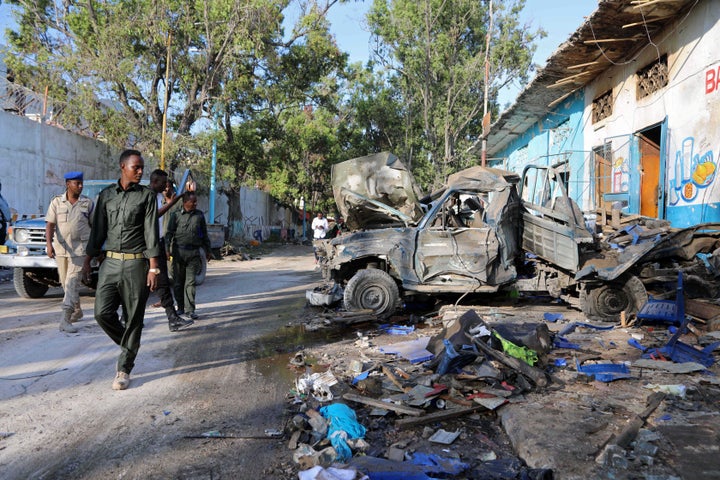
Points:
x=226 y=373
x=229 y=373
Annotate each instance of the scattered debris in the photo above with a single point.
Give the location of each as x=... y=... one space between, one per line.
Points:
x=424 y=388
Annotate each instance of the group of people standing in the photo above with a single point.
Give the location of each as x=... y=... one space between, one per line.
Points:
x=125 y=231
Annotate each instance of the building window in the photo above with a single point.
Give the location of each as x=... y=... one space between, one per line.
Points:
x=652 y=77
x=602 y=107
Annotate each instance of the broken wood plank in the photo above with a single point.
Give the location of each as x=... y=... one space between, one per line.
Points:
x=610 y=40
x=641 y=236
x=703 y=310
x=628 y=434
x=535 y=374
x=386 y=405
x=437 y=416
x=391 y=376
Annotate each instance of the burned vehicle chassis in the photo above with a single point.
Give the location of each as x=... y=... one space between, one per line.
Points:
x=490 y=230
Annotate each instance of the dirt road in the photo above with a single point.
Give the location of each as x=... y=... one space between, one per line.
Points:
x=227 y=373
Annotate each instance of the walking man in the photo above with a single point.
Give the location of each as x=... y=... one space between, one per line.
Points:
x=67 y=230
x=125 y=225
x=320 y=227
x=158 y=184
x=186 y=234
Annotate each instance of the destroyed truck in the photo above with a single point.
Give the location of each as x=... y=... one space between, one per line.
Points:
x=491 y=230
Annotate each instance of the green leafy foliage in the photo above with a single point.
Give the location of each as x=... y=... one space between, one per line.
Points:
x=281 y=107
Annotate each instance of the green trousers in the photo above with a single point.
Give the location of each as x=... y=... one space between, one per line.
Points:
x=122 y=282
x=186 y=265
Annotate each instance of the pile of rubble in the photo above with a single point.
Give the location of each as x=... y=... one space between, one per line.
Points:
x=528 y=391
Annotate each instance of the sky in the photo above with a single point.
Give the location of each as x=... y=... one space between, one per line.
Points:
x=559 y=18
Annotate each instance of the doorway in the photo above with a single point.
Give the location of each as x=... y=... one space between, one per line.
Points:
x=650 y=169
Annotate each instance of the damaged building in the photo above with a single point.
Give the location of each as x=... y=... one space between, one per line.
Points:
x=630 y=105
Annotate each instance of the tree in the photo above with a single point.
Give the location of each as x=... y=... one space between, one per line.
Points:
x=106 y=63
x=436 y=48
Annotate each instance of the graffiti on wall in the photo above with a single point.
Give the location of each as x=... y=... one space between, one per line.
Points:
x=620 y=175
x=693 y=172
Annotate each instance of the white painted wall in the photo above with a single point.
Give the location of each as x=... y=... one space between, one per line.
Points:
x=261 y=213
x=35 y=157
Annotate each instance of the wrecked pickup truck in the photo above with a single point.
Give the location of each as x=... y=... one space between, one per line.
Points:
x=491 y=230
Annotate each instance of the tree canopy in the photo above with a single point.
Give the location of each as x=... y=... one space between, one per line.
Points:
x=282 y=106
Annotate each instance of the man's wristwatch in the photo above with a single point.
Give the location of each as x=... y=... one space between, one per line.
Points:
x=156 y=271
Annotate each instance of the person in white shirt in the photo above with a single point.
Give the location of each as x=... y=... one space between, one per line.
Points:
x=320 y=227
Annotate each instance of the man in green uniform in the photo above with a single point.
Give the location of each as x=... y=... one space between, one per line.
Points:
x=67 y=230
x=125 y=225
x=158 y=184
x=187 y=233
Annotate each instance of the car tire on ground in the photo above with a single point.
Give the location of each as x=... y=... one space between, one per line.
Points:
x=372 y=289
x=606 y=302
x=25 y=286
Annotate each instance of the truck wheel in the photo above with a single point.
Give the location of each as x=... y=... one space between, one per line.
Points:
x=606 y=302
x=372 y=289
x=25 y=286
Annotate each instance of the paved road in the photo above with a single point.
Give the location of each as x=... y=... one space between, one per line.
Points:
x=227 y=373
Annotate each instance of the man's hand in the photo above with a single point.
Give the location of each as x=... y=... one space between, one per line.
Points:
x=86 y=271
x=152 y=281
x=50 y=250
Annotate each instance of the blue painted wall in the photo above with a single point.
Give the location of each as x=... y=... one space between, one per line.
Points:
x=558 y=136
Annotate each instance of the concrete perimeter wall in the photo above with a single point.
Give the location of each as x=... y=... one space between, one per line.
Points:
x=34 y=158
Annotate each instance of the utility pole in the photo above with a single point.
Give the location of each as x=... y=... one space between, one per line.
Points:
x=167 y=92
x=213 y=166
x=486 y=114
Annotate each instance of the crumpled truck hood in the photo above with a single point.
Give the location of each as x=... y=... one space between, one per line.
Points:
x=376 y=191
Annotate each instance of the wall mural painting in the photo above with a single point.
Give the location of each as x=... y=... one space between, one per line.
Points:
x=693 y=172
x=620 y=175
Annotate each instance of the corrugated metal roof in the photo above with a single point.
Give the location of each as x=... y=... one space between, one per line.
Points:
x=614 y=33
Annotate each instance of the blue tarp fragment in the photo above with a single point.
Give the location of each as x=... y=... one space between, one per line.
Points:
x=552 y=317
x=342 y=425
x=396 y=329
x=415 y=351
x=604 y=372
x=420 y=467
x=560 y=342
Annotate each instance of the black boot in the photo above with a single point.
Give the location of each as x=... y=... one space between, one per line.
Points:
x=176 y=322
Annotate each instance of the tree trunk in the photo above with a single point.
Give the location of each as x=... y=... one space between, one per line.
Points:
x=235 y=224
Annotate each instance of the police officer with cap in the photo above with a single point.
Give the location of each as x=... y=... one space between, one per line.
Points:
x=67 y=231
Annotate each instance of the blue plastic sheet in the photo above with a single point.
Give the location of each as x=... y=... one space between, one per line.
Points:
x=560 y=342
x=396 y=329
x=634 y=343
x=420 y=467
x=604 y=372
x=343 y=425
x=552 y=317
